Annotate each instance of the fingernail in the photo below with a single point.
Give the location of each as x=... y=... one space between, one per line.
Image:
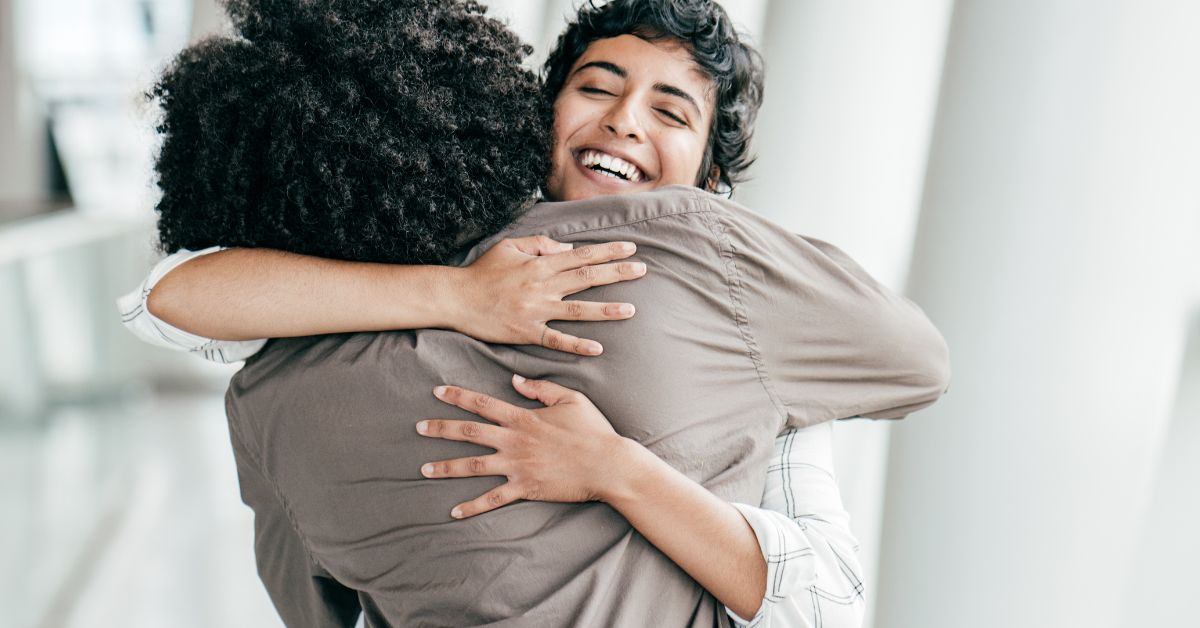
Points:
x=518 y=379
x=639 y=268
x=456 y=513
x=625 y=309
x=565 y=246
x=422 y=426
x=628 y=247
x=427 y=470
x=439 y=392
x=593 y=348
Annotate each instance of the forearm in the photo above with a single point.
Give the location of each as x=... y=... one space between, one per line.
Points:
x=241 y=294
x=706 y=536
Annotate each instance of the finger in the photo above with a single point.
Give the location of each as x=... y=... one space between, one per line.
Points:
x=558 y=341
x=584 y=277
x=591 y=254
x=483 y=405
x=540 y=245
x=592 y=311
x=547 y=392
x=468 y=431
x=474 y=466
x=500 y=496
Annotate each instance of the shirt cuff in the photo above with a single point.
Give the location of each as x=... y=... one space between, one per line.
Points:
x=137 y=318
x=791 y=564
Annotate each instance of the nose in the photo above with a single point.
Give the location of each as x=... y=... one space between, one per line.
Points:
x=622 y=120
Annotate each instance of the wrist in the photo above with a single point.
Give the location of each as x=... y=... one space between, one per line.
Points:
x=444 y=301
x=631 y=463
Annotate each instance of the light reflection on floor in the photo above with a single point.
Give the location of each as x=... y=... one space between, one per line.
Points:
x=126 y=516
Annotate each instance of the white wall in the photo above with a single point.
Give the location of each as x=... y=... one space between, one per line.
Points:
x=1059 y=215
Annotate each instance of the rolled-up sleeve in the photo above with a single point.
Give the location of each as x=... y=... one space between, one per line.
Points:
x=813 y=574
x=137 y=318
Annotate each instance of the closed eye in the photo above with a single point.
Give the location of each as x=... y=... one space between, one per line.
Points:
x=674 y=117
x=594 y=90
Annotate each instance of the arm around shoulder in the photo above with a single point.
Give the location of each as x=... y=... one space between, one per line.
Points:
x=241 y=294
x=138 y=317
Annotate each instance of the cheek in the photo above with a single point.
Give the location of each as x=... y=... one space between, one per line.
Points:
x=681 y=157
x=568 y=116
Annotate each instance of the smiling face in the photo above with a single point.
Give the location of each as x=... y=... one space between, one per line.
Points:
x=633 y=115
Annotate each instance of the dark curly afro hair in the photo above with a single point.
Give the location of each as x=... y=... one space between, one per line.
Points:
x=370 y=130
x=705 y=29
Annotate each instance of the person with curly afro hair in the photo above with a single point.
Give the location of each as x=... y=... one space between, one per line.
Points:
x=650 y=106
x=369 y=130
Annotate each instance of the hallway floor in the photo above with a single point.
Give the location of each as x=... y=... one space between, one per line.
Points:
x=127 y=515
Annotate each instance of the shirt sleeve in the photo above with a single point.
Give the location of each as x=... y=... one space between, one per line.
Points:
x=813 y=574
x=828 y=340
x=137 y=318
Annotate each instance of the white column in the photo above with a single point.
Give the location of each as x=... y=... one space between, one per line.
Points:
x=22 y=126
x=208 y=18
x=524 y=17
x=1061 y=197
x=1163 y=581
x=851 y=89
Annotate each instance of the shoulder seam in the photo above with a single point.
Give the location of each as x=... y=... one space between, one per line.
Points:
x=734 y=282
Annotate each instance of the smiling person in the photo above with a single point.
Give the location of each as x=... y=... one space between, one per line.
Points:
x=691 y=460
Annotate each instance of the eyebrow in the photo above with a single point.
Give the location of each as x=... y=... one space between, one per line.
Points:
x=663 y=88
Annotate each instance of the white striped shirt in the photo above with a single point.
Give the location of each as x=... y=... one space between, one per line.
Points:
x=813 y=576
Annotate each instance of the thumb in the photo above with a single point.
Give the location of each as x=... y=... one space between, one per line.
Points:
x=548 y=393
x=540 y=245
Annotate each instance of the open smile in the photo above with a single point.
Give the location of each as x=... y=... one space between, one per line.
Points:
x=608 y=166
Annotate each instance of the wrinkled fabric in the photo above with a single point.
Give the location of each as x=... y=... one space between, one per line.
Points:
x=742 y=329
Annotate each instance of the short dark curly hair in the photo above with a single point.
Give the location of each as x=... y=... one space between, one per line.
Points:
x=369 y=130
x=704 y=28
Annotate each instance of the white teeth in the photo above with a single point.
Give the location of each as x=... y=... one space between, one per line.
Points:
x=629 y=171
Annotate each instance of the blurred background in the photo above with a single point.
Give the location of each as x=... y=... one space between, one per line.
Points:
x=1027 y=170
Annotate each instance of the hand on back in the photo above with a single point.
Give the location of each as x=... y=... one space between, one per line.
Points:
x=511 y=293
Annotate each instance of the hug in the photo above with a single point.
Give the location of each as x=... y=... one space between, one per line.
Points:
x=378 y=208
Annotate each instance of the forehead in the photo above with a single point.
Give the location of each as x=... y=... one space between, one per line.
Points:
x=661 y=61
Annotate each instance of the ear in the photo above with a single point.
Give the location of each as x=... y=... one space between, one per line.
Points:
x=713 y=180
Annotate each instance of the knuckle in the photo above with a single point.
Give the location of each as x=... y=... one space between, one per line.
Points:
x=495 y=498
x=477 y=465
x=434 y=426
x=553 y=340
x=442 y=468
x=574 y=309
x=482 y=402
x=585 y=252
x=521 y=419
x=470 y=429
x=627 y=269
x=585 y=273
